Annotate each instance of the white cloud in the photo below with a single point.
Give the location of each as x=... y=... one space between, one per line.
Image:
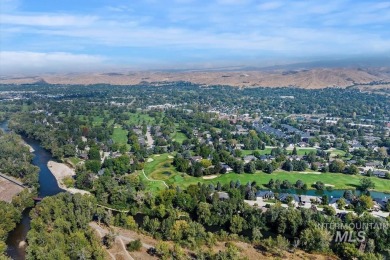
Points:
x=37 y=62
x=217 y=29
x=49 y=20
x=269 y=6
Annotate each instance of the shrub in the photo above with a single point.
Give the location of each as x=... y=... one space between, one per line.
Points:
x=68 y=182
x=134 y=245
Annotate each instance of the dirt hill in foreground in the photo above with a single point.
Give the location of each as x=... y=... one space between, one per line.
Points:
x=310 y=79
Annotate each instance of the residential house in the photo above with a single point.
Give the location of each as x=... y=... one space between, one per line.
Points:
x=265 y=194
x=226 y=167
x=221 y=195
x=307 y=200
x=249 y=158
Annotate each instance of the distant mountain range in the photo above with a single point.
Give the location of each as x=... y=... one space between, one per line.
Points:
x=303 y=75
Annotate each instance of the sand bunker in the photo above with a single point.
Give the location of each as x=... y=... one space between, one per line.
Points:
x=210 y=177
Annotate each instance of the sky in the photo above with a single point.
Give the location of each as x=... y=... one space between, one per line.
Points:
x=90 y=35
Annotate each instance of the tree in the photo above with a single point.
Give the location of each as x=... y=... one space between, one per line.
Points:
x=382 y=152
x=294 y=151
x=319 y=185
x=269 y=168
x=130 y=223
x=109 y=239
x=366 y=202
x=162 y=249
x=93 y=165
x=385 y=161
x=299 y=184
x=256 y=234
x=69 y=150
x=236 y=224
x=347 y=251
x=239 y=166
x=341 y=203
x=314 y=167
x=348 y=195
x=238 y=152
x=276 y=246
x=94 y=153
x=325 y=199
x=205 y=163
x=315 y=239
x=288 y=166
x=337 y=166
x=204 y=212
x=353 y=170
x=366 y=184
x=250 y=167
x=329 y=210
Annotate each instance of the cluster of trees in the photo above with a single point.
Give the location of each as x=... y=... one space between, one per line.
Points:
x=11 y=214
x=186 y=216
x=59 y=229
x=294 y=165
x=285 y=184
x=15 y=159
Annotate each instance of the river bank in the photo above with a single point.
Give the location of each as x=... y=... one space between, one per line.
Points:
x=47 y=187
x=61 y=171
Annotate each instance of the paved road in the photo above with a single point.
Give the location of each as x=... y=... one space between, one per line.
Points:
x=149 y=138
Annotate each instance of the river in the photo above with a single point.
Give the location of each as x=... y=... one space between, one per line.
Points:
x=48 y=187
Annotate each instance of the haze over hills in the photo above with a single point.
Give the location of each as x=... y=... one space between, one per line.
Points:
x=240 y=77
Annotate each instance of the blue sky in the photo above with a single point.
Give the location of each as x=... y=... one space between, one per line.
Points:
x=66 y=36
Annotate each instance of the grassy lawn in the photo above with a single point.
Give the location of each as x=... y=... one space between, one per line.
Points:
x=267 y=151
x=303 y=150
x=120 y=135
x=139 y=118
x=161 y=169
x=340 y=181
x=179 y=136
x=335 y=152
x=74 y=160
x=24 y=107
x=157 y=170
x=97 y=120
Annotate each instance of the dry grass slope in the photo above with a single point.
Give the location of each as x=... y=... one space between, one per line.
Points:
x=311 y=79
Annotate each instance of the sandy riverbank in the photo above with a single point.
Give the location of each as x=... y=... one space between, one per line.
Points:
x=29 y=147
x=61 y=171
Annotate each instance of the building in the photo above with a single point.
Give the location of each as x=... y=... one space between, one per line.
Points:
x=265 y=194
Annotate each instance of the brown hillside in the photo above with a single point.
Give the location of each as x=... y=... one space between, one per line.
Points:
x=311 y=79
